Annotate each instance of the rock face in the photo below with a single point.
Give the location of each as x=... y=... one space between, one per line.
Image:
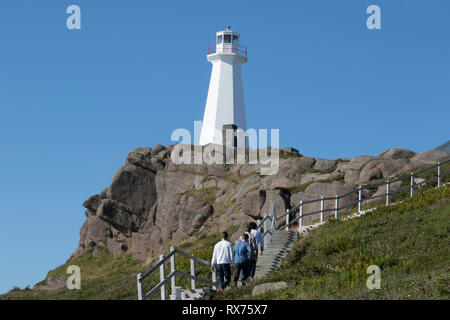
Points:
x=152 y=202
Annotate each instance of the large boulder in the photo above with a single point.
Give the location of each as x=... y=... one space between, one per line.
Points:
x=248 y=184
x=370 y=174
x=253 y=203
x=147 y=158
x=381 y=168
x=265 y=287
x=431 y=156
x=93 y=231
x=116 y=215
x=93 y=202
x=351 y=176
x=324 y=164
x=396 y=153
x=133 y=187
x=357 y=163
x=303 y=163
x=193 y=214
x=289 y=173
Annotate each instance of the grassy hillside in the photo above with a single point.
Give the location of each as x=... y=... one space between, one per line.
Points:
x=408 y=241
x=107 y=277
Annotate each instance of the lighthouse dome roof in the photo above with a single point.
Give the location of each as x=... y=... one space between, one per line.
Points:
x=227 y=31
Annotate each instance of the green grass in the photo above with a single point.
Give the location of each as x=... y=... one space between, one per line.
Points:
x=222 y=207
x=207 y=194
x=107 y=277
x=408 y=241
x=290 y=155
x=102 y=277
x=236 y=177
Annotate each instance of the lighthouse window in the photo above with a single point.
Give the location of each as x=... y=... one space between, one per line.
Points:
x=227 y=38
x=219 y=39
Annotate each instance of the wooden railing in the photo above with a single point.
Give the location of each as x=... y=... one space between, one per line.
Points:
x=300 y=208
x=172 y=275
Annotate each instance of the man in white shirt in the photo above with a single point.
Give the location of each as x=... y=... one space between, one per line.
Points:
x=259 y=244
x=222 y=259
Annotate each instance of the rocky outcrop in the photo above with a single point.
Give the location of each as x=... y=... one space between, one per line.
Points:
x=396 y=153
x=152 y=202
x=51 y=283
x=431 y=156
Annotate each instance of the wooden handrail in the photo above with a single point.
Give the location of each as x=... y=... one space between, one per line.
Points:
x=190 y=256
x=159 y=285
x=156 y=266
x=174 y=272
x=187 y=275
x=337 y=208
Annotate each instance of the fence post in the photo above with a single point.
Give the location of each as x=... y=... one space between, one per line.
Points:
x=139 y=286
x=176 y=295
x=214 y=278
x=287 y=219
x=388 y=191
x=439 y=174
x=336 y=212
x=272 y=212
x=300 y=214
x=359 y=199
x=162 y=276
x=321 y=208
x=412 y=184
x=192 y=274
x=172 y=269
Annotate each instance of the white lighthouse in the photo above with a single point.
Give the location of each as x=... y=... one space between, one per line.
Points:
x=225 y=102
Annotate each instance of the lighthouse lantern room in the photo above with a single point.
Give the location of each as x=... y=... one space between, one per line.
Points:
x=225 y=102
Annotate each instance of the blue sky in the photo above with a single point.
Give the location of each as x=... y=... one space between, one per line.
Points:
x=74 y=103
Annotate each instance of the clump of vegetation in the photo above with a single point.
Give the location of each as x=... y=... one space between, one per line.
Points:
x=408 y=241
x=287 y=155
x=235 y=177
x=222 y=207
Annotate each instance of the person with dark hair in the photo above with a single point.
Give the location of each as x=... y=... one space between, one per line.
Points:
x=251 y=265
x=241 y=255
x=222 y=259
x=259 y=245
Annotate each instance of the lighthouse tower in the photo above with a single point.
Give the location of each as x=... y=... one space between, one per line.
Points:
x=225 y=102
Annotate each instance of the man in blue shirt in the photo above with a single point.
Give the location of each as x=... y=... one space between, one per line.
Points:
x=241 y=256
